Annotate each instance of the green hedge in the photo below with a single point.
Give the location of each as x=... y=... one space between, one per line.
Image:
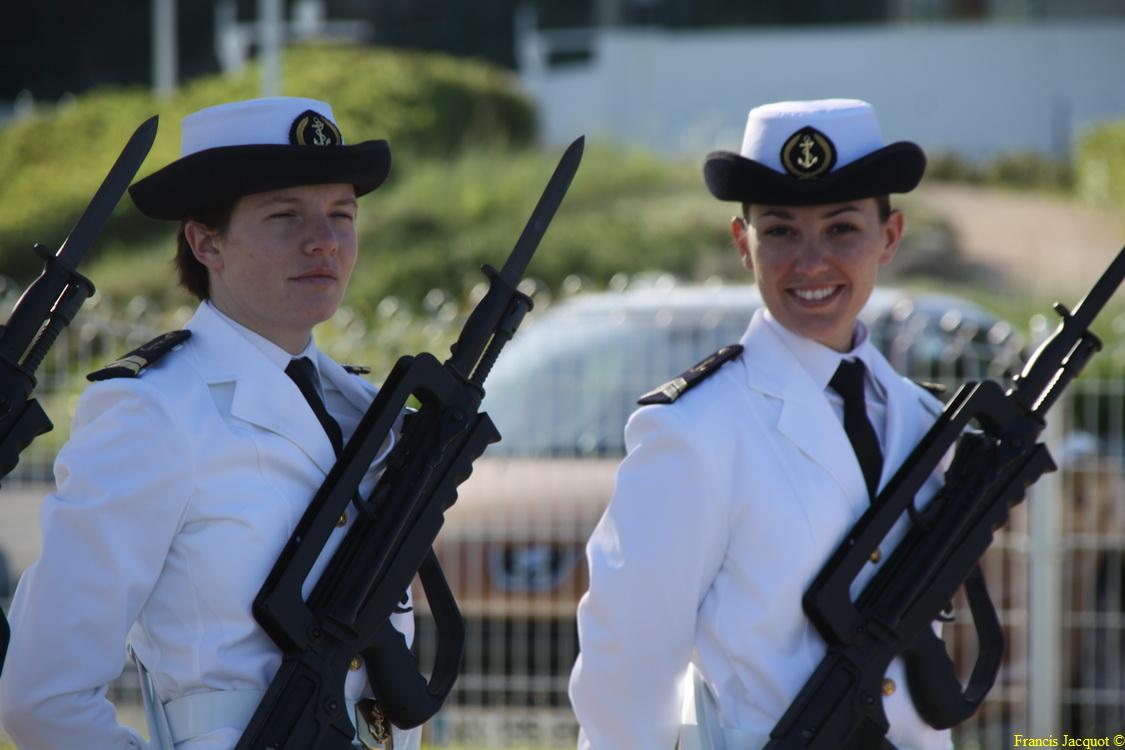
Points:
x=1100 y=166
x=422 y=103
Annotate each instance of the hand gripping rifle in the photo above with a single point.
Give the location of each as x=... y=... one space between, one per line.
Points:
x=46 y=308
x=348 y=610
x=840 y=706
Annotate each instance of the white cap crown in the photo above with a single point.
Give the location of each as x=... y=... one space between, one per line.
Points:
x=268 y=121
x=849 y=125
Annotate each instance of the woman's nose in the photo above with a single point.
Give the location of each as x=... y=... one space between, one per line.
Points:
x=320 y=236
x=811 y=256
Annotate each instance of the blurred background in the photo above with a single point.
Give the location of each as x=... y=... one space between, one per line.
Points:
x=1018 y=104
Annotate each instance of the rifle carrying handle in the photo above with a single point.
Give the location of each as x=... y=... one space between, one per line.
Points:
x=932 y=676
x=404 y=695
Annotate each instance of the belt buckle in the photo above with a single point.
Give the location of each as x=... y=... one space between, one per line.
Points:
x=371 y=727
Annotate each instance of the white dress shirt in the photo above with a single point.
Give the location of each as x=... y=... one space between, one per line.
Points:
x=820 y=362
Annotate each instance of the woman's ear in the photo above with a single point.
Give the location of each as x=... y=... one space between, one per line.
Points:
x=205 y=245
x=892 y=229
x=740 y=231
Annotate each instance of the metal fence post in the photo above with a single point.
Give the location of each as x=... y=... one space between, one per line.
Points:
x=1045 y=595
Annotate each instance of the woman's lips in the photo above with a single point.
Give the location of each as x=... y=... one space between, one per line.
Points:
x=815 y=296
x=319 y=276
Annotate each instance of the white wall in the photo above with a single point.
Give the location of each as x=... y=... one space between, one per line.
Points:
x=979 y=89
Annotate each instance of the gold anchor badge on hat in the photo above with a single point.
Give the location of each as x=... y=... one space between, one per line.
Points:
x=314 y=129
x=808 y=154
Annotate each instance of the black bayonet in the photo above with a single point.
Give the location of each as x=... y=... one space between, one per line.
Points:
x=544 y=211
x=48 y=306
x=470 y=357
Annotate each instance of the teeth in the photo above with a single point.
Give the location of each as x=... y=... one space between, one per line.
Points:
x=814 y=295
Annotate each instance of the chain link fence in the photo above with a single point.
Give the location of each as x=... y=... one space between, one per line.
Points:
x=513 y=544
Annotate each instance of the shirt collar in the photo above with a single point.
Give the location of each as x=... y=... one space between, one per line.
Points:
x=820 y=361
x=272 y=351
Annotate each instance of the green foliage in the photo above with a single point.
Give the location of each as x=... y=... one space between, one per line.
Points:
x=624 y=212
x=1100 y=166
x=421 y=103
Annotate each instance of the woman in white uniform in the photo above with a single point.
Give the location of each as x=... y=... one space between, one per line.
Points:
x=744 y=474
x=192 y=459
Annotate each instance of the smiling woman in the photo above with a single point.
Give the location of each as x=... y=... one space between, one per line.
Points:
x=741 y=474
x=192 y=459
x=816 y=265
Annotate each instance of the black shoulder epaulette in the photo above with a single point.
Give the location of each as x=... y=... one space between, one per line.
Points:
x=357 y=369
x=676 y=387
x=937 y=390
x=131 y=365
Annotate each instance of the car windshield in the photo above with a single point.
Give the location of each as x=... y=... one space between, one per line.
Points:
x=567 y=383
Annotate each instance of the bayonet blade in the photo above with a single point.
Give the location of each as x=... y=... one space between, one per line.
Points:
x=109 y=194
x=544 y=211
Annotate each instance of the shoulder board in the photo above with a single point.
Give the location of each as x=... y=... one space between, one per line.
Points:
x=357 y=369
x=678 y=386
x=937 y=390
x=131 y=365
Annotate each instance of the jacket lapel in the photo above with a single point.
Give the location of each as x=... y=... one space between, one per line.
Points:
x=908 y=417
x=264 y=396
x=360 y=394
x=805 y=418
x=355 y=389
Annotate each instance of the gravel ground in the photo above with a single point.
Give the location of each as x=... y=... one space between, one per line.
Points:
x=1033 y=244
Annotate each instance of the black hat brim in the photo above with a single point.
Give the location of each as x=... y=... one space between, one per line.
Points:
x=190 y=186
x=895 y=168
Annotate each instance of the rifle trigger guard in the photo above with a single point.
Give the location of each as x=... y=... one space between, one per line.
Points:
x=931 y=674
x=406 y=698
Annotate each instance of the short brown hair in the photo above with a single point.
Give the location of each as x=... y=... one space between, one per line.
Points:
x=882 y=204
x=193 y=274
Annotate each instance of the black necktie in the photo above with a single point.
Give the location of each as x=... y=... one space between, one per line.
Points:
x=848 y=382
x=302 y=372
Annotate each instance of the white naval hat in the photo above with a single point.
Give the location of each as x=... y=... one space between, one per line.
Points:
x=252 y=146
x=809 y=152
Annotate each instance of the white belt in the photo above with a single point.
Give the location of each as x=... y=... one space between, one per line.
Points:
x=737 y=740
x=190 y=716
x=732 y=739
x=701 y=725
x=195 y=715
x=199 y=713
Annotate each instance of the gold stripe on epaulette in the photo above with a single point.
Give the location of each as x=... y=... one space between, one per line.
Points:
x=133 y=364
x=673 y=388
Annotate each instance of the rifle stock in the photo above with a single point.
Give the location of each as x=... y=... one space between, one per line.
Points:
x=840 y=706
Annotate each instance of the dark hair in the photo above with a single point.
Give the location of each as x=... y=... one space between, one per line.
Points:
x=193 y=274
x=882 y=204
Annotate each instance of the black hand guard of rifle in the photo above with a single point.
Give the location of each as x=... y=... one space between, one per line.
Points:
x=840 y=706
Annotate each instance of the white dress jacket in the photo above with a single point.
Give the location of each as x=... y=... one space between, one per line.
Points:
x=727 y=505
x=175 y=494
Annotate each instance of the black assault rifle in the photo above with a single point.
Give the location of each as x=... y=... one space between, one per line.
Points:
x=348 y=610
x=840 y=707
x=46 y=308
